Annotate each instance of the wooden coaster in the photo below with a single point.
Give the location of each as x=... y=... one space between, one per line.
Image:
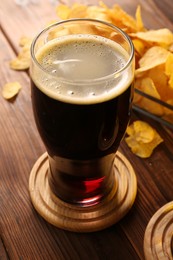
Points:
x=158 y=239
x=83 y=219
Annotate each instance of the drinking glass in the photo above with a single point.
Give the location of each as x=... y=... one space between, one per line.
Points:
x=81 y=106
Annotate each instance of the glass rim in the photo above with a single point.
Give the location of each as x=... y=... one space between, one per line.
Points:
x=84 y=81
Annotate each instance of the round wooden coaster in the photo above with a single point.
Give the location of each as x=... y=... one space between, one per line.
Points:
x=158 y=239
x=83 y=219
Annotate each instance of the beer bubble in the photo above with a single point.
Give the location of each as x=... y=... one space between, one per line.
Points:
x=70 y=92
x=92 y=94
x=57 y=86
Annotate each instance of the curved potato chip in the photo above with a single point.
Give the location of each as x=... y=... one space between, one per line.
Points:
x=141 y=131
x=139 y=46
x=162 y=36
x=11 y=89
x=169 y=64
x=25 y=41
x=139 y=22
x=169 y=69
x=63 y=11
x=142 y=139
x=148 y=87
x=144 y=132
x=153 y=57
x=22 y=61
x=160 y=80
x=171 y=81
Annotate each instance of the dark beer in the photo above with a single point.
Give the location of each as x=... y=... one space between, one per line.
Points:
x=81 y=109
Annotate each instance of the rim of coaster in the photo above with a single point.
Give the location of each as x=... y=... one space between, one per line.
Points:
x=158 y=238
x=83 y=219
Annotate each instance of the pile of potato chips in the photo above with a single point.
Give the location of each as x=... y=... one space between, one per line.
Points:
x=153 y=53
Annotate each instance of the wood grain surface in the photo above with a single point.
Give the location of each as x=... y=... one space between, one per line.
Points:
x=23 y=233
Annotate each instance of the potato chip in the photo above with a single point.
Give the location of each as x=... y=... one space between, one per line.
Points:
x=139 y=22
x=25 y=41
x=148 y=87
x=141 y=131
x=152 y=58
x=171 y=81
x=75 y=11
x=163 y=37
x=160 y=80
x=63 y=11
x=169 y=64
x=11 y=89
x=22 y=61
x=144 y=133
x=142 y=139
x=137 y=97
x=139 y=46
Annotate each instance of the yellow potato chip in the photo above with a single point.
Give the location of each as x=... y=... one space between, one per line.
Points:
x=153 y=57
x=11 y=89
x=57 y=33
x=163 y=37
x=142 y=138
x=77 y=11
x=148 y=87
x=160 y=80
x=171 y=81
x=144 y=133
x=22 y=61
x=139 y=46
x=63 y=11
x=127 y=20
x=139 y=21
x=25 y=41
x=142 y=150
x=169 y=64
x=171 y=48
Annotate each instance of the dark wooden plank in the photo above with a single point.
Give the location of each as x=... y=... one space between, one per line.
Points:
x=3 y=252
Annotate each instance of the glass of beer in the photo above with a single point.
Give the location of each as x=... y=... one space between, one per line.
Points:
x=82 y=73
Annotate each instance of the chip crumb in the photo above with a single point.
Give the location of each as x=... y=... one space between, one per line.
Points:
x=142 y=139
x=11 y=89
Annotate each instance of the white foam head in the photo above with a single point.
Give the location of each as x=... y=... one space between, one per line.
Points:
x=82 y=69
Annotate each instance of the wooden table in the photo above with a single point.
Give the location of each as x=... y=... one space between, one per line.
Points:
x=23 y=233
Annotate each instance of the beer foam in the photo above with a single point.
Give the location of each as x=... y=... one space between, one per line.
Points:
x=82 y=69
